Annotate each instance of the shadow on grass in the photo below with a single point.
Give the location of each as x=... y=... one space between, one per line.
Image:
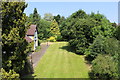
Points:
x=68 y=48
x=29 y=77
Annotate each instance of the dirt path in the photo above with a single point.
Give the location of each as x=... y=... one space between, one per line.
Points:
x=36 y=56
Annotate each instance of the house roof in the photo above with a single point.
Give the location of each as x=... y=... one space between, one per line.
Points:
x=31 y=30
x=28 y=39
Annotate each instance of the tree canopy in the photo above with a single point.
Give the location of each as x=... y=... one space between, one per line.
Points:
x=14 y=46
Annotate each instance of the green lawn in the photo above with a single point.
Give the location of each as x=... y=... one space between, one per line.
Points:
x=57 y=62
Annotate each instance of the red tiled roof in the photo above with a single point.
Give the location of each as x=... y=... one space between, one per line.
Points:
x=32 y=30
x=28 y=39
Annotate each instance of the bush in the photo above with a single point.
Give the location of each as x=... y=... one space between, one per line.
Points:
x=52 y=39
x=104 y=66
x=96 y=48
x=31 y=45
x=39 y=42
x=117 y=33
x=112 y=47
x=9 y=75
x=59 y=38
x=38 y=48
x=102 y=45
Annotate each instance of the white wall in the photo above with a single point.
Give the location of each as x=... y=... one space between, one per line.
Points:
x=35 y=40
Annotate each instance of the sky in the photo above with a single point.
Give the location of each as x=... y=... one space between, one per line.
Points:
x=109 y=9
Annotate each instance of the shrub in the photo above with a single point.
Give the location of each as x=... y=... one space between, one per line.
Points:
x=38 y=48
x=104 y=66
x=96 y=48
x=31 y=45
x=102 y=45
x=39 y=42
x=117 y=33
x=52 y=39
x=9 y=75
x=59 y=38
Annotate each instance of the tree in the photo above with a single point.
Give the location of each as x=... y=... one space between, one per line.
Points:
x=43 y=26
x=67 y=24
x=117 y=33
x=106 y=29
x=97 y=47
x=14 y=46
x=9 y=75
x=114 y=24
x=79 y=14
x=59 y=19
x=54 y=28
x=103 y=45
x=104 y=67
x=34 y=18
x=48 y=16
x=80 y=29
x=79 y=34
x=44 y=29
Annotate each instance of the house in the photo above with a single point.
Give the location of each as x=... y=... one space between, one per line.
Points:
x=31 y=36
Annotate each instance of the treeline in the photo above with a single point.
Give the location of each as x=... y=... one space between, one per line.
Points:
x=48 y=26
x=14 y=47
x=94 y=36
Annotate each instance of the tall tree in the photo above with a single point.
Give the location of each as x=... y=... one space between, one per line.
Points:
x=57 y=18
x=14 y=46
x=44 y=29
x=69 y=22
x=54 y=28
x=80 y=34
x=48 y=16
x=34 y=18
x=117 y=33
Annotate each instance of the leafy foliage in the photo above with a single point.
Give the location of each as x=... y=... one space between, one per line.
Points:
x=105 y=29
x=97 y=47
x=81 y=35
x=34 y=18
x=9 y=75
x=59 y=19
x=54 y=28
x=43 y=25
x=52 y=39
x=117 y=33
x=80 y=29
x=79 y=14
x=48 y=17
x=102 y=45
x=44 y=29
x=14 y=46
x=67 y=25
x=104 y=67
